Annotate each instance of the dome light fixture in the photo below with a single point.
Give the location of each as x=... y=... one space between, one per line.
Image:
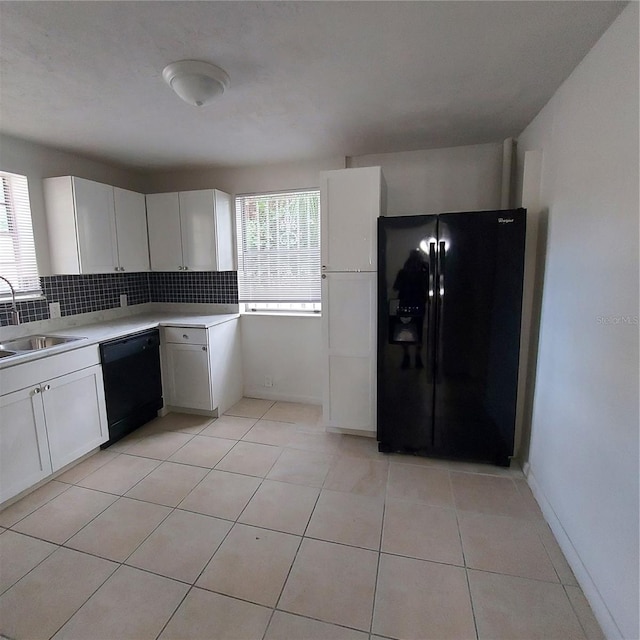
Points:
x=196 y=82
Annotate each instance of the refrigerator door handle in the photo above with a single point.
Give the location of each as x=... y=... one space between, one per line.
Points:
x=432 y=260
x=441 y=267
x=430 y=311
x=439 y=313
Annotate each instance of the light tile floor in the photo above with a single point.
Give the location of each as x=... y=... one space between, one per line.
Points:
x=260 y=525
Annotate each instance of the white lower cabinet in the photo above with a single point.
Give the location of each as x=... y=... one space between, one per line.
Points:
x=24 y=451
x=187 y=378
x=47 y=424
x=75 y=415
x=349 y=336
x=202 y=368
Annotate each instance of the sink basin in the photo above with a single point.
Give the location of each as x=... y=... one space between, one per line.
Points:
x=33 y=343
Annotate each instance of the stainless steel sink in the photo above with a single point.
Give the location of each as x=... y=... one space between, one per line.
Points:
x=33 y=343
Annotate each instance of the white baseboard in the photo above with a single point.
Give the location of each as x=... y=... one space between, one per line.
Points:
x=366 y=433
x=598 y=605
x=197 y=412
x=266 y=394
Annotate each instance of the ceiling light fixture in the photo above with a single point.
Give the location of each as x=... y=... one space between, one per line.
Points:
x=196 y=82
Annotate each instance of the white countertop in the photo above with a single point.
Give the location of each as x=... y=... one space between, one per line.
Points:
x=111 y=329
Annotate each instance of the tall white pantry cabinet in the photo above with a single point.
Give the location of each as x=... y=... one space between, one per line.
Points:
x=351 y=200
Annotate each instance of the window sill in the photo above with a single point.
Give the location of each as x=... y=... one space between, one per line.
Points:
x=282 y=314
x=22 y=298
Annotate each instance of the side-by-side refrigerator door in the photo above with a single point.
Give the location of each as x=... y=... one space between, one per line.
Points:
x=407 y=249
x=479 y=304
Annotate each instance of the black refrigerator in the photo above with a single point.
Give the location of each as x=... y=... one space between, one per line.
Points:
x=449 y=311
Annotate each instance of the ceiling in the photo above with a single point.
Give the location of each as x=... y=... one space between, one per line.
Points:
x=308 y=79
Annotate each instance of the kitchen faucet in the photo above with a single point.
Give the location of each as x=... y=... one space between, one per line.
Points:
x=14 y=314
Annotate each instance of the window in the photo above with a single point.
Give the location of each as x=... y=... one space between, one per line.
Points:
x=279 y=251
x=17 y=250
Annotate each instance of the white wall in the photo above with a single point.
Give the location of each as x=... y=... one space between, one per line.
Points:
x=438 y=180
x=288 y=351
x=274 y=177
x=36 y=162
x=584 y=445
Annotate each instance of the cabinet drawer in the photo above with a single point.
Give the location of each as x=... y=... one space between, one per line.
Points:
x=184 y=335
x=30 y=373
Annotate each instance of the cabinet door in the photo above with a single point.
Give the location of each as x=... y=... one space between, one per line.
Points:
x=165 y=244
x=225 y=233
x=350 y=202
x=187 y=380
x=131 y=230
x=198 y=230
x=349 y=336
x=75 y=415
x=24 y=452
x=96 y=225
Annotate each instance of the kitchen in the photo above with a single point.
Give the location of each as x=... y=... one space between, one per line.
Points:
x=456 y=178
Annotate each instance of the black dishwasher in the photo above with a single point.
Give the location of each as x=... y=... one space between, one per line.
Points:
x=132 y=382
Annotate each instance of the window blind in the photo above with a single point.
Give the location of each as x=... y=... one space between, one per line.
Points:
x=279 y=247
x=17 y=249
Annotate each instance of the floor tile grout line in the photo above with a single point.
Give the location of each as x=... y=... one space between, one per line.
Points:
x=466 y=573
x=114 y=453
x=101 y=512
x=375 y=584
x=246 y=474
x=173 y=613
x=84 y=525
x=545 y=547
x=233 y=524
x=302 y=538
x=473 y=609
x=42 y=505
x=575 y=611
x=161 y=432
x=307 y=617
x=34 y=567
x=85 y=601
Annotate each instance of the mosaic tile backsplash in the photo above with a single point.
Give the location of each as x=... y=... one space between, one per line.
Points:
x=86 y=293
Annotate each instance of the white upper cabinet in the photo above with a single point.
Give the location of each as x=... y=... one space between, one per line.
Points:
x=191 y=231
x=165 y=244
x=94 y=227
x=131 y=230
x=350 y=202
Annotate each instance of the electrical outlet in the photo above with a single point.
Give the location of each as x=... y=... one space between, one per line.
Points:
x=54 y=310
x=268 y=381
x=123 y=300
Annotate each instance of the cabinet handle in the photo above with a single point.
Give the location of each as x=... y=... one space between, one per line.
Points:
x=324 y=275
x=185 y=336
x=204 y=348
x=186 y=268
x=37 y=390
x=324 y=267
x=179 y=268
x=46 y=387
